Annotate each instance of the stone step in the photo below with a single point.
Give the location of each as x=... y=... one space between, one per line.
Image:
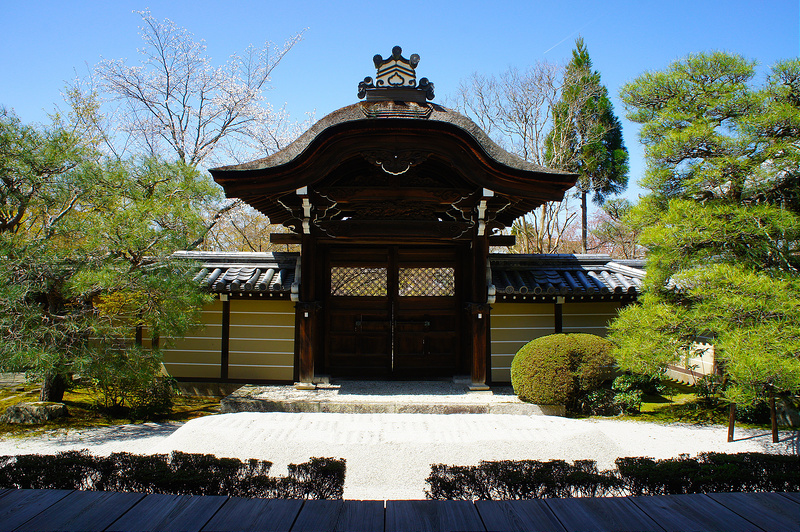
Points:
x=413 y=397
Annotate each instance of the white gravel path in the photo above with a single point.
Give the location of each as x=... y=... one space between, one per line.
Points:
x=389 y=455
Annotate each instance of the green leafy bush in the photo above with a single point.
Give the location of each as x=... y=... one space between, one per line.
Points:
x=519 y=479
x=647 y=384
x=531 y=479
x=319 y=478
x=599 y=402
x=178 y=473
x=559 y=368
x=133 y=472
x=628 y=402
x=63 y=471
x=710 y=388
x=709 y=473
x=129 y=380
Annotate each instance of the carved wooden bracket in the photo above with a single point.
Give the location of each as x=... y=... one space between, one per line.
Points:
x=395 y=162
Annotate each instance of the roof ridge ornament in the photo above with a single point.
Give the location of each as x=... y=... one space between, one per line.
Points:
x=396 y=79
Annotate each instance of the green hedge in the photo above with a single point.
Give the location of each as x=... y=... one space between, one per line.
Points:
x=178 y=473
x=531 y=479
x=710 y=473
x=519 y=479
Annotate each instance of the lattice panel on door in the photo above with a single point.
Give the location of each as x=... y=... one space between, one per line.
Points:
x=422 y=282
x=359 y=282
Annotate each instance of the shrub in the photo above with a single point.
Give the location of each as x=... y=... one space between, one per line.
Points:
x=709 y=473
x=647 y=384
x=519 y=480
x=136 y=473
x=646 y=476
x=179 y=473
x=319 y=478
x=531 y=479
x=599 y=402
x=63 y=471
x=155 y=398
x=559 y=368
x=129 y=379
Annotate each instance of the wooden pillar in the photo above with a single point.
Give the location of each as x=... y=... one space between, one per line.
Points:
x=226 y=336
x=478 y=313
x=307 y=314
x=731 y=421
x=558 y=315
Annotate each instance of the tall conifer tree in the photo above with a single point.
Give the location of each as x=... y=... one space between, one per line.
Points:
x=587 y=136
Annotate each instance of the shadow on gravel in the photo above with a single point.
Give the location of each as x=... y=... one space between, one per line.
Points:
x=789 y=440
x=121 y=433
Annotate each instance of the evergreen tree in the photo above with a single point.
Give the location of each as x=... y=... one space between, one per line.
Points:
x=587 y=136
x=722 y=222
x=86 y=255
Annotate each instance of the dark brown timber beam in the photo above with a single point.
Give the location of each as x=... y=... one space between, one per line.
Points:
x=285 y=238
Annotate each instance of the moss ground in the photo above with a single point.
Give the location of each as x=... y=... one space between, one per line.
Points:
x=680 y=404
x=83 y=413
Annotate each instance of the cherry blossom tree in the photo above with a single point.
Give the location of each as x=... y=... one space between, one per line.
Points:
x=175 y=102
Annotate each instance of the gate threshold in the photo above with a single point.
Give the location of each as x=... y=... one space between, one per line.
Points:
x=393 y=397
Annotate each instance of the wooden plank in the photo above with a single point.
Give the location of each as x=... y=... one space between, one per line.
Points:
x=267 y=515
x=601 y=514
x=322 y=515
x=691 y=512
x=793 y=496
x=84 y=510
x=345 y=516
x=525 y=516
x=432 y=516
x=162 y=511
x=768 y=511
x=19 y=506
x=367 y=516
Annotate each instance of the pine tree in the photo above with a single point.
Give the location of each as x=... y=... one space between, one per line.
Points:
x=722 y=222
x=86 y=256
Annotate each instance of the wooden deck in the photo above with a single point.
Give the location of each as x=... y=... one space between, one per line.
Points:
x=54 y=510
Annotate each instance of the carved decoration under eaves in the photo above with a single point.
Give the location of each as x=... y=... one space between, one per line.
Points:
x=393 y=210
x=395 y=162
x=449 y=195
x=441 y=196
x=369 y=228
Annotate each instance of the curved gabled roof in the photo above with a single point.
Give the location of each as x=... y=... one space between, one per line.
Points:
x=440 y=134
x=389 y=109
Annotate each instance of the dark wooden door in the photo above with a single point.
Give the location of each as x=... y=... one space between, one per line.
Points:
x=393 y=312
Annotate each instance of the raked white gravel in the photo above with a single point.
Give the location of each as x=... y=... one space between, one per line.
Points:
x=389 y=455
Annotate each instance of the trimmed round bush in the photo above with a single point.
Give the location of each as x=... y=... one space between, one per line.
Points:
x=557 y=369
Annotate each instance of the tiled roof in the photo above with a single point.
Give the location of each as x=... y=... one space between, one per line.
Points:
x=545 y=276
x=515 y=277
x=245 y=273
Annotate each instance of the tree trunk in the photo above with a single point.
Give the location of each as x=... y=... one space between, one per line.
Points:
x=773 y=417
x=731 y=421
x=53 y=387
x=584 y=222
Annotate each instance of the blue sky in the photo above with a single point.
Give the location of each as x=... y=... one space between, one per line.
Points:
x=45 y=43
